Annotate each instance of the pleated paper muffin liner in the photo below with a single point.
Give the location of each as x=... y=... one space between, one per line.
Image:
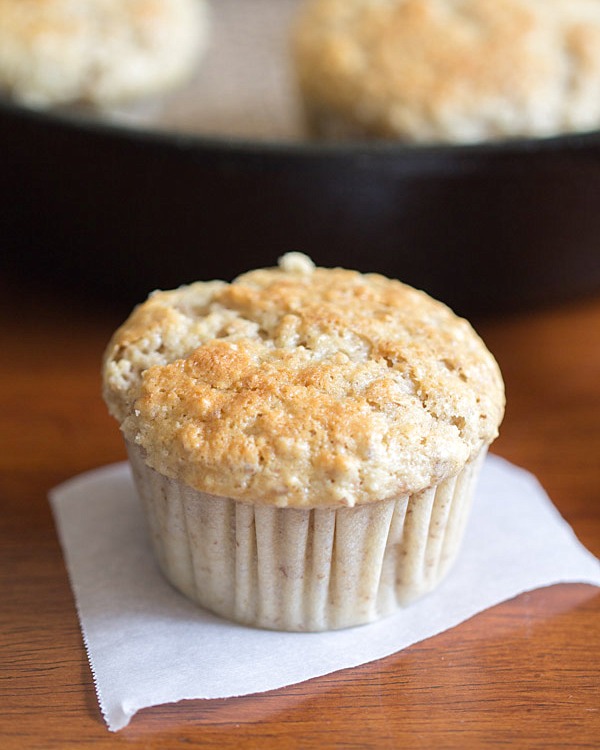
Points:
x=304 y=569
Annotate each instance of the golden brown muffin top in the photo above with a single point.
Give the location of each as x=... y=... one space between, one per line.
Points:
x=302 y=386
x=452 y=70
x=100 y=52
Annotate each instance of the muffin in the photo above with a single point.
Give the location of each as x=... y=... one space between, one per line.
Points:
x=455 y=71
x=98 y=52
x=305 y=440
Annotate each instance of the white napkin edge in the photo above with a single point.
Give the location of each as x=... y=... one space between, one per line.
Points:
x=117 y=718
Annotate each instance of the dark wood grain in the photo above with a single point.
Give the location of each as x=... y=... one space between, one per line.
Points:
x=523 y=674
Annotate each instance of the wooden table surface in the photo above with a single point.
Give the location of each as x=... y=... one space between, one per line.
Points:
x=523 y=674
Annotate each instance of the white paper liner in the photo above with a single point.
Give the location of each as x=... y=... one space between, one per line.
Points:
x=148 y=645
x=295 y=569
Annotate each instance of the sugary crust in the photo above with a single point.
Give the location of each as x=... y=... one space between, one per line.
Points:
x=450 y=70
x=301 y=386
x=98 y=51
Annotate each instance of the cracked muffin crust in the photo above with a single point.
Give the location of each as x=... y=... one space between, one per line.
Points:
x=458 y=71
x=303 y=387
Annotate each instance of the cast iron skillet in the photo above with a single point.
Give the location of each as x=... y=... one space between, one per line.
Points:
x=487 y=228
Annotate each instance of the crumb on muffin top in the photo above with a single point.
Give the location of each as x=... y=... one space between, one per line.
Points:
x=302 y=386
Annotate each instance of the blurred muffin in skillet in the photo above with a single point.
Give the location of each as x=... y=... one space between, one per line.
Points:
x=306 y=441
x=457 y=71
x=98 y=52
